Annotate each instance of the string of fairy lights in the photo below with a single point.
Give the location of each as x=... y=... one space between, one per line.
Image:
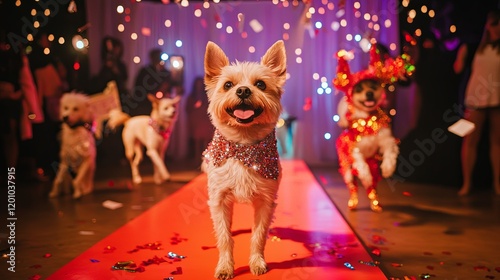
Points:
x=312 y=18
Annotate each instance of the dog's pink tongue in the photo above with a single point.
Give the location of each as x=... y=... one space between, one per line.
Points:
x=243 y=114
x=369 y=103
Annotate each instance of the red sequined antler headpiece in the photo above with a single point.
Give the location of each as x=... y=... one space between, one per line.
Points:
x=387 y=71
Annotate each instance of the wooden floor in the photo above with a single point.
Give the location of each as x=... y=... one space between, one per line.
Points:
x=309 y=239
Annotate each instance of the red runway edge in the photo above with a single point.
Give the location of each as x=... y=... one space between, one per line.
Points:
x=309 y=239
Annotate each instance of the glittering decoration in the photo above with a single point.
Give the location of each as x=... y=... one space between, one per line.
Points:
x=128 y=266
x=262 y=157
x=173 y=255
x=426 y=276
x=370 y=263
x=348 y=139
x=387 y=71
x=348 y=265
x=165 y=133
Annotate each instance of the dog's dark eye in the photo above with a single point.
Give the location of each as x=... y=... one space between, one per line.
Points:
x=228 y=85
x=261 y=85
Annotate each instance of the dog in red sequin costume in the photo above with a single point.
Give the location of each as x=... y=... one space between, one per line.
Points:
x=366 y=148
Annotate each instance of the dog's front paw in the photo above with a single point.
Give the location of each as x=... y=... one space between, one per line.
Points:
x=387 y=167
x=137 y=180
x=53 y=194
x=258 y=265
x=77 y=194
x=224 y=273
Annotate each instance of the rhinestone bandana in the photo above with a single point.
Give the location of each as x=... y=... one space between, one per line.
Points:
x=262 y=157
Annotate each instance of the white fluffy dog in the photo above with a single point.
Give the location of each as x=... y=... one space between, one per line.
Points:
x=78 y=152
x=242 y=161
x=152 y=132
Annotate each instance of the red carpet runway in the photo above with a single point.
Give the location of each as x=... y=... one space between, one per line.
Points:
x=309 y=239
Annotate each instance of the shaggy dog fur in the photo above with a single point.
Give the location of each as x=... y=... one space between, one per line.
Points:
x=242 y=161
x=152 y=132
x=78 y=152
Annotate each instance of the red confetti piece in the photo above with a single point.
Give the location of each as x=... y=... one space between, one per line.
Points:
x=376 y=252
x=481 y=267
x=48 y=255
x=377 y=239
x=407 y=194
x=441 y=263
x=35 y=266
x=178 y=271
x=109 y=249
x=156 y=260
x=208 y=247
x=397 y=264
x=111 y=183
x=35 y=277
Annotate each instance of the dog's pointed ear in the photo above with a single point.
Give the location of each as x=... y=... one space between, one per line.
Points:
x=176 y=99
x=275 y=59
x=152 y=98
x=215 y=60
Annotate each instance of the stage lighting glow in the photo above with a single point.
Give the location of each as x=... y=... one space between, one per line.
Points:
x=177 y=62
x=336 y=118
x=120 y=9
x=328 y=136
x=178 y=43
x=318 y=25
x=164 y=56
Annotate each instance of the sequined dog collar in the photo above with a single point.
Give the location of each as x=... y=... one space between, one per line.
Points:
x=165 y=133
x=262 y=157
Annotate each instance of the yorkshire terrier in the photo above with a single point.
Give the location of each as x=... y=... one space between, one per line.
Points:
x=242 y=161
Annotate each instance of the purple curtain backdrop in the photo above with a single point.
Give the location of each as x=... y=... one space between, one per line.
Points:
x=310 y=48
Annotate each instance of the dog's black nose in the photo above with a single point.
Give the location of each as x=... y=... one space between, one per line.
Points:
x=243 y=92
x=369 y=95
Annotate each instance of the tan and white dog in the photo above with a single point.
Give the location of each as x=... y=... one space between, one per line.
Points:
x=152 y=132
x=78 y=152
x=242 y=161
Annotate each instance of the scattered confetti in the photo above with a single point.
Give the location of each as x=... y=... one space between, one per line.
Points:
x=176 y=239
x=407 y=194
x=426 y=276
x=150 y=246
x=35 y=277
x=397 y=264
x=47 y=255
x=377 y=239
x=208 y=247
x=155 y=260
x=94 y=261
x=169 y=278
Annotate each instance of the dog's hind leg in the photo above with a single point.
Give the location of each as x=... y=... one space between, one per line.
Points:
x=133 y=152
x=159 y=164
x=59 y=180
x=264 y=210
x=221 y=210
x=79 y=183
